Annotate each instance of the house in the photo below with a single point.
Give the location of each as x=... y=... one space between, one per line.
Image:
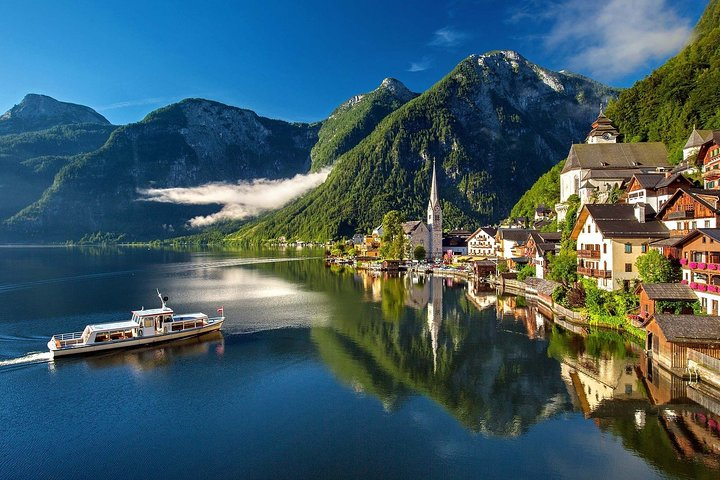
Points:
x=709 y=158
x=508 y=239
x=690 y=208
x=358 y=238
x=482 y=242
x=602 y=163
x=655 y=188
x=484 y=268
x=674 y=339
x=369 y=248
x=697 y=139
x=455 y=244
x=700 y=260
x=538 y=247
x=651 y=293
x=542 y=213
x=610 y=238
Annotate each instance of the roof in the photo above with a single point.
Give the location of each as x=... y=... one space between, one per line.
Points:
x=489 y=231
x=542 y=208
x=713 y=233
x=547 y=247
x=611 y=174
x=667 y=242
x=546 y=287
x=618 y=220
x=668 y=291
x=602 y=125
x=698 y=138
x=649 y=180
x=690 y=328
x=670 y=179
x=709 y=198
x=409 y=227
x=153 y=311
x=550 y=236
x=616 y=155
x=514 y=234
x=124 y=325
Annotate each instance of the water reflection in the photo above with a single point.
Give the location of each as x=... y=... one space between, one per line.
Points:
x=500 y=364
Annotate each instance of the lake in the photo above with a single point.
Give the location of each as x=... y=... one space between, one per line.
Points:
x=324 y=373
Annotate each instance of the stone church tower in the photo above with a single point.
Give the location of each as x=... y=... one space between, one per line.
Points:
x=434 y=221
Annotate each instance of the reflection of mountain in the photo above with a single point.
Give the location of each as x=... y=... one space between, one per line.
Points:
x=492 y=380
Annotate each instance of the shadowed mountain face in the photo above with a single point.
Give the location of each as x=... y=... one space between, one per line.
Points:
x=493 y=125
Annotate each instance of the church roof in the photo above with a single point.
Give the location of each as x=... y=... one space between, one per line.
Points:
x=410 y=227
x=434 y=198
x=698 y=138
x=616 y=156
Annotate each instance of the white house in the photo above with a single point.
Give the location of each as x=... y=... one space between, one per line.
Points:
x=482 y=242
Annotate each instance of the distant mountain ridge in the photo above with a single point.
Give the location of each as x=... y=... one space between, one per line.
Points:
x=39 y=112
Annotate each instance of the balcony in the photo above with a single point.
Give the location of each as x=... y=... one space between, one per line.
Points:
x=592 y=272
x=681 y=214
x=711 y=171
x=588 y=253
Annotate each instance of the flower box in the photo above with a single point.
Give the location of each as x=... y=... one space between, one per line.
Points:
x=684 y=282
x=693 y=285
x=712 y=289
x=702 y=266
x=683 y=261
x=693 y=264
x=702 y=287
x=712 y=266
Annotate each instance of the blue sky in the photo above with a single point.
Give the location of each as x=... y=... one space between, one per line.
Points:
x=297 y=60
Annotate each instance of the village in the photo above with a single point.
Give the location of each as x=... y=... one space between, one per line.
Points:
x=633 y=244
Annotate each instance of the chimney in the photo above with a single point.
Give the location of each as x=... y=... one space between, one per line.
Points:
x=640 y=212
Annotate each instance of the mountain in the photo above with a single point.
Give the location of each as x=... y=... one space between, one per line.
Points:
x=352 y=121
x=494 y=125
x=682 y=93
x=545 y=191
x=39 y=112
x=666 y=105
x=186 y=144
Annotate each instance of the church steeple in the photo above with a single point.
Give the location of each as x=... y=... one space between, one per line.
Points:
x=603 y=130
x=434 y=220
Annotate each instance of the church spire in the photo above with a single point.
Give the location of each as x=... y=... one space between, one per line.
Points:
x=434 y=199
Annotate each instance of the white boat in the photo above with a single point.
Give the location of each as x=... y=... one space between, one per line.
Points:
x=144 y=328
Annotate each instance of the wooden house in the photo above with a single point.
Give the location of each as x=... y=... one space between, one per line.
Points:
x=700 y=261
x=670 y=337
x=690 y=208
x=654 y=188
x=651 y=293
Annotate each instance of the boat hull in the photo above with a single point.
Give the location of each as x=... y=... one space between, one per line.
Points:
x=135 y=341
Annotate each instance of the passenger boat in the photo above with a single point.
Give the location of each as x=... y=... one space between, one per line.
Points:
x=144 y=328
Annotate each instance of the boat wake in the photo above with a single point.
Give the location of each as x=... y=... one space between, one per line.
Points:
x=33 y=357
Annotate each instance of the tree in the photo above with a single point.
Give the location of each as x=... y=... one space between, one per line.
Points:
x=653 y=267
x=563 y=267
x=419 y=253
x=525 y=272
x=393 y=239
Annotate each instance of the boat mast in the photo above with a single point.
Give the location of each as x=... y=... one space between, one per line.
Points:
x=162 y=299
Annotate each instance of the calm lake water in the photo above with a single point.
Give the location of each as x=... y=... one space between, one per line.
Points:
x=323 y=373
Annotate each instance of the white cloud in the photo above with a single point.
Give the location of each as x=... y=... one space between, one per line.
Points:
x=447 y=37
x=616 y=38
x=241 y=200
x=421 y=65
x=135 y=103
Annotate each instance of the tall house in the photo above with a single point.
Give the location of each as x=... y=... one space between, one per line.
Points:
x=700 y=260
x=610 y=238
x=690 y=208
x=709 y=157
x=434 y=220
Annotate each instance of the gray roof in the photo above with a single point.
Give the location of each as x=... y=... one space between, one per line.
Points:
x=698 y=138
x=518 y=235
x=667 y=242
x=690 y=328
x=409 y=227
x=668 y=291
x=616 y=155
x=546 y=287
x=624 y=174
x=649 y=180
x=669 y=180
x=618 y=220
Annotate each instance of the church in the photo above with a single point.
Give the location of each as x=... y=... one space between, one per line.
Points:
x=429 y=235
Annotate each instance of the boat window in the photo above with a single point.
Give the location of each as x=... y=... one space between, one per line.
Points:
x=149 y=322
x=168 y=318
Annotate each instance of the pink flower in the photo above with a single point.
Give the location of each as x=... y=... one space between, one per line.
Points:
x=683 y=261
x=702 y=287
x=702 y=266
x=712 y=266
x=693 y=285
x=684 y=282
x=693 y=264
x=712 y=288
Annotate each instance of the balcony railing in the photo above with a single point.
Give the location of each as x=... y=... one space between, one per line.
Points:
x=681 y=214
x=588 y=253
x=592 y=272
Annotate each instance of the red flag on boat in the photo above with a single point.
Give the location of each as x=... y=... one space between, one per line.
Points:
x=221 y=311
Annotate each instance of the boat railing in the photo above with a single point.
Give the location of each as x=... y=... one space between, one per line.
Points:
x=214 y=319
x=68 y=336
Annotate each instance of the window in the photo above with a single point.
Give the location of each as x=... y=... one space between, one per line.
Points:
x=704 y=240
x=628 y=267
x=643 y=248
x=679 y=226
x=707 y=223
x=604 y=247
x=628 y=248
x=694 y=225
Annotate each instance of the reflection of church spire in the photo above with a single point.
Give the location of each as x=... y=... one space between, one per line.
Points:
x=435 y=316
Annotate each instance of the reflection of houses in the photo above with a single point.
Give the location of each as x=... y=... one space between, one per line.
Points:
x=700 y=260
x=435 y=316
x=482 y=242
x=610 y=238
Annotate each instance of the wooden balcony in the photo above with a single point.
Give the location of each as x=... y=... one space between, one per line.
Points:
x=588 y=253
x=711 y=171
x=681 y=214
x=592 y=272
